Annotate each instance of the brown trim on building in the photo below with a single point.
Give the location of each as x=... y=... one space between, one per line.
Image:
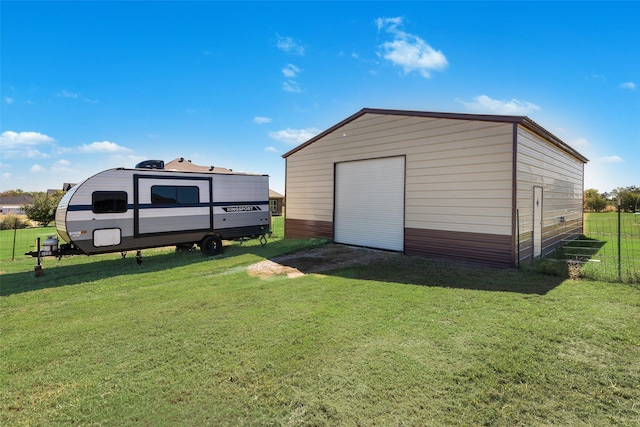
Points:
x=582 y=216
x=301 y=228
x=475 y=248
x=514 y=196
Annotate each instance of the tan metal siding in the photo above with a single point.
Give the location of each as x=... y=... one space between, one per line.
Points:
x=540 y=163
x=458 y=172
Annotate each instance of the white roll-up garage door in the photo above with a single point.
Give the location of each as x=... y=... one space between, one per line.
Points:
x=369 y=203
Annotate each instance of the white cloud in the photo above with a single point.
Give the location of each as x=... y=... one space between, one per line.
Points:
x=291 y=86
x=33 y=153
x=628 y=85
x=23 y=144
x=289 y=45
x=259 y=120
x=290 y=71
x=37 y=169
x=6 y=176
x=271 y=149
x=8 y=100
x=611 y=159
x=597 y=77
x=10 y=139
x=391 y=24
x=103 y=147
x=409 y=51
x=487 y=105
x=62 y=166
x=294 y=136
x=72 y=95
x=579 y=143
x=67 y=94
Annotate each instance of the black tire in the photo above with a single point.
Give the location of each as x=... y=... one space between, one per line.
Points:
x=211 y=245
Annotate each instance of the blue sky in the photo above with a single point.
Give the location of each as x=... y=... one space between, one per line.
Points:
x=87 y=86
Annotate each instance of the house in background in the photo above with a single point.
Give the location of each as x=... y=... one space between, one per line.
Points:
x=484 y=189
x=13 y=204
x=276 y=203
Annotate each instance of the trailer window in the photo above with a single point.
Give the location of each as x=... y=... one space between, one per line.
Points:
x=109 y=201
x=174 y=195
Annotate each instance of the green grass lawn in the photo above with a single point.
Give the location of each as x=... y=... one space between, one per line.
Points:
x=188 y=340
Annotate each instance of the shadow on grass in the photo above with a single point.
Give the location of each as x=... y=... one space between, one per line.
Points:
x=72 y=271
x=294 y=253
x=582 y=249
x=367 y=264
x=425 y=272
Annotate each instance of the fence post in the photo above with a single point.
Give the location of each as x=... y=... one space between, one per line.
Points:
x=15 y=228
x=619 y=241
x=38 y=268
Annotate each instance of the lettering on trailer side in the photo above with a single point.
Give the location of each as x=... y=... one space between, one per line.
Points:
x=241 y=208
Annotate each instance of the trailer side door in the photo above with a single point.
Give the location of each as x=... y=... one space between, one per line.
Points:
x=171 y=204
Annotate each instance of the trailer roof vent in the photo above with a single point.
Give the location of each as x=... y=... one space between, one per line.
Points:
x=151 y=164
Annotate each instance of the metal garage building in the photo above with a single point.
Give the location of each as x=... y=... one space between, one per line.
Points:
x=486 y=189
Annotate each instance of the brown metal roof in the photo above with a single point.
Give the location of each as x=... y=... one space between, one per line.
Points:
x=22 y=199
x=182 y=164
x=275 y=195
x=521 y=120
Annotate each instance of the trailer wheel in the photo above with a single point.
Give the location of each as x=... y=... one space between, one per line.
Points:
x=211 y=245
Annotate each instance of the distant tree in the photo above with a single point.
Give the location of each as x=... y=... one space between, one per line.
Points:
x=628 y=197
x=594 y=201
x=43 y=209
x=12 y=193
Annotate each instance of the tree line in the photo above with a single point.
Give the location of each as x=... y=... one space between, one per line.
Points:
x=629 y=198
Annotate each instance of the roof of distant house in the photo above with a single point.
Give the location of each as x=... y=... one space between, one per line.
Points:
x=275 y=195
x=182 y=164
x=22 y=199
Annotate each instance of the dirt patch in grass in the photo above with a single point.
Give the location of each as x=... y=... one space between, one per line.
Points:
x=318 y=260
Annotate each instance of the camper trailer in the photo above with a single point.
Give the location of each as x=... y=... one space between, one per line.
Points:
x=121 y=209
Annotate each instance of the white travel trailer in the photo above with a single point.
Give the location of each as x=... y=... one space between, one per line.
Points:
x=121 y=209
